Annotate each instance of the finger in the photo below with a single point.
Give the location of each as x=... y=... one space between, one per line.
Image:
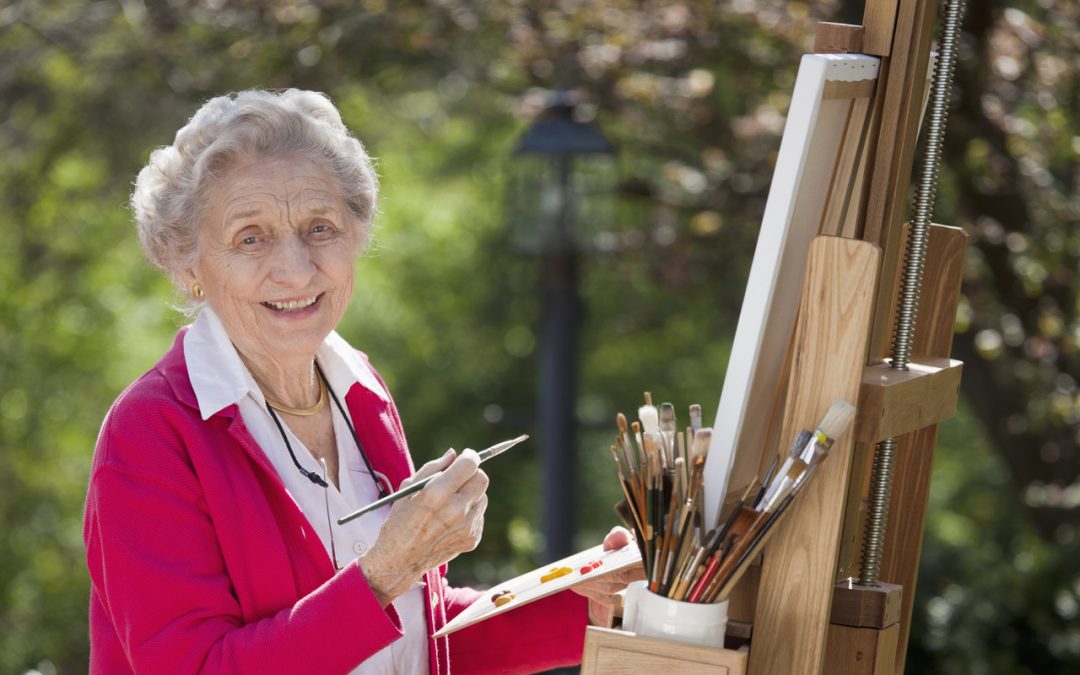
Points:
x=430 y=468
x=622 y=577
x=594 y=595
x=600 y=615
x=475 y=487
x=613 y=582
x=616 y=539
x=601 y=589
x=477 y=508
x=457 y=474
x=476 y=532
x=635 y=573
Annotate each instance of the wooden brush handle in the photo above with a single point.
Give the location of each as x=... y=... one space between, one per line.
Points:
x=706 y=578
x=752 y=551
x=741 y=546
x=743 y=522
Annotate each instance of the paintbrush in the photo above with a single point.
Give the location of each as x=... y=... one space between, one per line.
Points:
x=688 y=541
x=655 y=518
x=691 y=569
x=626 y=513
x=709 y=556
x=764 y=514
x=700 y=446
x=676 y=513
x=628 y=492
x=683 y=530
x=484 y=455
x=757 y=542
x=650 y=430
x=840 y=416
x=635 y=432
x=754 y=539
x=764 y=483
x=836 y=422
x=804 y=437
x=667 y=432
x=627 y=446
x=674 y=504
x=619 y=463
x=738 y=522
x=681 y=449
x=695 y=417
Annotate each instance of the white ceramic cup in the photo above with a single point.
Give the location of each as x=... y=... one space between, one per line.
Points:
x=647 y=613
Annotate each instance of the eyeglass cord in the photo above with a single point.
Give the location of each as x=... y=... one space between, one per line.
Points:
x=310 y=475
x=321 y=480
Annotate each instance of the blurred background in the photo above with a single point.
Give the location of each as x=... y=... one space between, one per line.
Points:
x=692 y=95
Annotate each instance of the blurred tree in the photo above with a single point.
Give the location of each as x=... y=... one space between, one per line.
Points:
x=694 y=93
x=1016 y=146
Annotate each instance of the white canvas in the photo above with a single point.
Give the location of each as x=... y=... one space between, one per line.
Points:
x=793 y=212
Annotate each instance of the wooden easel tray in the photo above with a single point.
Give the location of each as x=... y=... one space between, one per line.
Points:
x=617 y=652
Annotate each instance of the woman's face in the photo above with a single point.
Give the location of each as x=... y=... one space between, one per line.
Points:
x=278 y=246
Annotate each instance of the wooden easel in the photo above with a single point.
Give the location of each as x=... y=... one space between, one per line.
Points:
x=803 y=620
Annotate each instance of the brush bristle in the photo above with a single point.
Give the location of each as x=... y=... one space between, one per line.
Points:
x=667 y=417
x=650 y=419
x=702 y=438
x=838 y=419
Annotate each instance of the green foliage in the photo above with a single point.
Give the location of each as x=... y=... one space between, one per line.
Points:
x=693 y=94
x=993 y=595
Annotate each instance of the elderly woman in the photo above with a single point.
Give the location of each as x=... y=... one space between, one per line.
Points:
x=219 y=475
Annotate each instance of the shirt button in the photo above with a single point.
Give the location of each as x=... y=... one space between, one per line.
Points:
x=359 y=548
x=434 y=599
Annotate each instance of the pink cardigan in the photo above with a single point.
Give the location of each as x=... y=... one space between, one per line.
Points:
x=201 y=561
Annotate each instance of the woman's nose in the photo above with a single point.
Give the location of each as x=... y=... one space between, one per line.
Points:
x=292 y=264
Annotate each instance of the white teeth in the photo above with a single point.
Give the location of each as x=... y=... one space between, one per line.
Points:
x=294 y=304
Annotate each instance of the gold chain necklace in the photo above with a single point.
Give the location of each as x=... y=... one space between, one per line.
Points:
x=300 y=412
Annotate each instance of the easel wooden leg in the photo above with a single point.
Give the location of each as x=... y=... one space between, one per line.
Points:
x=915 y=450
x=792 y=614
x=915 y=457
x=861 y=651
x=863 y=630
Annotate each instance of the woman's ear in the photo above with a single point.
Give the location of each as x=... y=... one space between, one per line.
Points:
x=190 y=282
x=187 y=276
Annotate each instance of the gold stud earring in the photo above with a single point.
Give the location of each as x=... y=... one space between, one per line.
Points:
x=197 y=291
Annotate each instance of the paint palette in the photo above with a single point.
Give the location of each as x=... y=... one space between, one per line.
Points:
x=544 y=581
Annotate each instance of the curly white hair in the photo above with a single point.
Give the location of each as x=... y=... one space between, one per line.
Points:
x=171 y=190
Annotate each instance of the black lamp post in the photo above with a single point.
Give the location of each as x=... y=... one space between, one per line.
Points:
x=564 y=170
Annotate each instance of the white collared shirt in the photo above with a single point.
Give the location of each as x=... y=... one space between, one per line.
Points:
x=220 y=379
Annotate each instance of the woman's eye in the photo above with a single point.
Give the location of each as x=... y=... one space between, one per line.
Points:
x=250 y=240
x=321 y=230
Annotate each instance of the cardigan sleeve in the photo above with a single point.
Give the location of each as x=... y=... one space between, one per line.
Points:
x=157 y=569
x=546 y=634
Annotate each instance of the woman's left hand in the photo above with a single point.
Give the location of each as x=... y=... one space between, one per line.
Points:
x=600 y=589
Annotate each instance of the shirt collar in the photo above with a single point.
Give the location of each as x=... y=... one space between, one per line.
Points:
x=220 y=378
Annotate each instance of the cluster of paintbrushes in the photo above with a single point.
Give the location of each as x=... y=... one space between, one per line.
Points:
x=661 y=470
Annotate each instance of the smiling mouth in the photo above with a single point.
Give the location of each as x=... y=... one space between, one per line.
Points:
x=293 y=305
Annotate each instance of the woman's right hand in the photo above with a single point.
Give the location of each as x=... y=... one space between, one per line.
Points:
x=429 y=528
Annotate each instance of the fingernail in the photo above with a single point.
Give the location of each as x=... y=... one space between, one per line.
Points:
x=448 y=452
